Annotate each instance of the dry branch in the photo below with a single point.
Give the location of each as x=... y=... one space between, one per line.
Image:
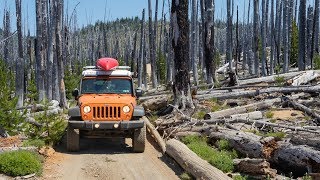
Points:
x=305 y=109
x=193 y=164
x=241 y=109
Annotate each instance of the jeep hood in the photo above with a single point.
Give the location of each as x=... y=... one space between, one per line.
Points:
x=107 y=98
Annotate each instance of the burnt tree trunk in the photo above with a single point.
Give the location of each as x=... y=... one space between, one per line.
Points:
x=60 y=62
x=152 y=49
x=39 y=49
x=142 y=48
x=20 y=61
x=255 y=45
x=208 y=39
x=180 y=44
x=302 y=35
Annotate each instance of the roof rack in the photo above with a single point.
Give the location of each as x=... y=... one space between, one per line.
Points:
x=89 y=67
x=123 y=67
x=117 y=68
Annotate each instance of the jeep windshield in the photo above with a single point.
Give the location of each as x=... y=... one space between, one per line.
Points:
x=106 y=86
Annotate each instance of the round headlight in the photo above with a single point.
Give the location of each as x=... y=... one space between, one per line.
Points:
x=126 y=109
x=86 y=109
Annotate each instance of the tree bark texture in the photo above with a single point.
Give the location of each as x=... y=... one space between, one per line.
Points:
x=255 y=44
x=302 y=35
x=180 y=43
x=20 y=60
x=152 y=49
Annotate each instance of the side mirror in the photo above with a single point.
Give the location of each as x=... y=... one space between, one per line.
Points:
x=75 y=93
x=139 y=93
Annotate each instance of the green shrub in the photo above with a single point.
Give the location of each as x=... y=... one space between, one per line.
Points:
x=239 y=177
x=280 y=80
x=34 y=142
x=72 y=81
x=162 y=67
x=269 y=114
x=220 y=159
x=199 y=114
x=185 y=176
x=279 y=135
x=316 y=60
x=20 y=163
x=52 y=130
x=10 y=118
x=224 y=145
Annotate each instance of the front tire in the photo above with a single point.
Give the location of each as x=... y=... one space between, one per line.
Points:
x=72 y=140
x=139 y=140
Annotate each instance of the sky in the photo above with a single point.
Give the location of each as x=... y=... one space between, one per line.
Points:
x=90 y=11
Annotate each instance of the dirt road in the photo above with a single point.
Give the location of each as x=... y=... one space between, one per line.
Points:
x=103 y=159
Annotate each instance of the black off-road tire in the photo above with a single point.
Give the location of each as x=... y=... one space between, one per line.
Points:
x=72 y=140
x=139 y=140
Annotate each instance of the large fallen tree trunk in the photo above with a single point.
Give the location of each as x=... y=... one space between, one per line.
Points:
x=247 y=144
x=304 y=78
x=270 y=79
x=193 y=164
x=155 y=103
x=279 y=152
x=155 y=134
x=300 y=156
x=242 y=109
x=252 y=93
x=255 y=167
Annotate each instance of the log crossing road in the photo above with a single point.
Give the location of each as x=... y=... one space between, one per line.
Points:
x=102 y=159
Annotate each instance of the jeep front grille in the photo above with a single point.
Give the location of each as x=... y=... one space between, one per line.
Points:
x=106 y=112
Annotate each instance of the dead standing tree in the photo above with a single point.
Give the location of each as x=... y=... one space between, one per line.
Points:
x=39 y=51
x=152 y=49
x=59 y=14
x=180 y=44
x=208 y=15
x=255 y=46
x=302 y=35
x=20 y=61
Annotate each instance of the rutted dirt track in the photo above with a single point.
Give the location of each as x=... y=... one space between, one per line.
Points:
x=105 y=159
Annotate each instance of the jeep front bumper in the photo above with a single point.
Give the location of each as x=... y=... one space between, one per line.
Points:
x=102 y=125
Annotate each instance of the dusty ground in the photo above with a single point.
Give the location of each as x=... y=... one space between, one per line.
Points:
x=103 y=159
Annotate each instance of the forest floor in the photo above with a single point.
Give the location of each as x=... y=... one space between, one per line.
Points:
x=105 y=159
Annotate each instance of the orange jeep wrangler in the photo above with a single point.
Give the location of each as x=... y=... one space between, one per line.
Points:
x=106 y=107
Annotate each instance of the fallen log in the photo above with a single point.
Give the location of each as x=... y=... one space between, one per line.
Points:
x=241 y=109
x=247 y=144
x=306 y=139
x=270 y=79
x=255 y=167
x=253 y=93
x=280 y=152
x=154 y=104
x=297 y=156
x=305 y=109
x=47 y=112
x=155 y=134
x=304 y=78
x=188 y=133
x=248 y=116
x=192 y=163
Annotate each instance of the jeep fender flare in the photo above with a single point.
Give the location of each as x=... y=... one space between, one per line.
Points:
x=138 y=111
x=74 y=112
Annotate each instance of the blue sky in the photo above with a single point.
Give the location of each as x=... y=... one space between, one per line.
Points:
x=89 y=11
